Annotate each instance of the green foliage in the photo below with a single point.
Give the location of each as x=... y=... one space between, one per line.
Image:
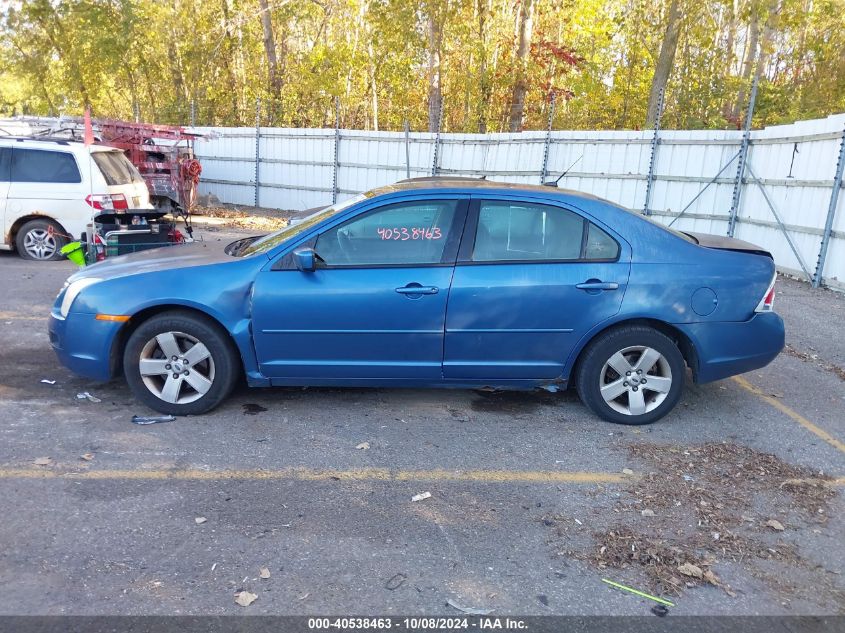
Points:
x=598 y=56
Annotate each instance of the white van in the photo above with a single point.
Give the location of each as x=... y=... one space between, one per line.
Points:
x=49 y=190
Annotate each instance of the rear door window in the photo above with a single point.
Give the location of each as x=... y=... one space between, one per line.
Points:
x=116 y=168
x=36 y=165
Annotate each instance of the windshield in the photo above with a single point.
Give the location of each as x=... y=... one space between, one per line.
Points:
x=270 y=241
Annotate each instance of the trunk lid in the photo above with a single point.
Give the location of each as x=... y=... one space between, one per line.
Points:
x=725 y=243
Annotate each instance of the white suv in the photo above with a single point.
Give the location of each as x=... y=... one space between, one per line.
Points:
x=49 y=190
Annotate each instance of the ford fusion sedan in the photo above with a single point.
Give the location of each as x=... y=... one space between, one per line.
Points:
x=432 y=283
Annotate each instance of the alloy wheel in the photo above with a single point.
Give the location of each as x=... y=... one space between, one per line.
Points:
x=635 y=380
x=40 y=244
x=176 y=367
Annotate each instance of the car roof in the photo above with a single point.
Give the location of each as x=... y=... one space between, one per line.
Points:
x=466 y=183
x=47 y=142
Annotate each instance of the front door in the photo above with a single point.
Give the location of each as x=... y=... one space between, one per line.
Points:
x=531 y=280
x=375 y=307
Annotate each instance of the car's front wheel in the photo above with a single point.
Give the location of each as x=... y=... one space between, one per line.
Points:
x=180 y=363
x=631 y=375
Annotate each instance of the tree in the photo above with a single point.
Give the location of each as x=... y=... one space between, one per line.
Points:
x=525 y=24
x=665 y=60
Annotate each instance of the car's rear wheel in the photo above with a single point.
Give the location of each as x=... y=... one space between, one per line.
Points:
x=40 y=240
x=180 y=363
x=631 y=375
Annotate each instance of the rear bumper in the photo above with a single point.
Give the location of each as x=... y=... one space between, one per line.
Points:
x=727 y=348
x=83 y=344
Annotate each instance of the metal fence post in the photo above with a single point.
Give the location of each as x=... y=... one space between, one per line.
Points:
x=407 y=149
x=336 y=148
x=257 y=144
x=831 y=213
x=544 y=171
x=436 y=158
x=655 y=141
x=743 y=155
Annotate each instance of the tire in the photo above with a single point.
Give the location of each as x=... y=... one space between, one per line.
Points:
x=649 y=393
x=40 y=240
x=204 y=377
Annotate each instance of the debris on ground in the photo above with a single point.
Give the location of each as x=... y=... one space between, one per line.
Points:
x=637 y=592
x=264 y=573
x=87 y=456
x=659 y=610
x=256 y=219
x=43 y=461
x=775 y=525
x=707 y=502
x=627 y=471
x=468 y=610
x=152 y=419
x=647 y=513
x=48 y=382
x=421 y=496
x=200 y=520
x=87 y=396
x=245 y=598
x=814 y=359
x=395 y=582
x=253 y=409
x=363 y=446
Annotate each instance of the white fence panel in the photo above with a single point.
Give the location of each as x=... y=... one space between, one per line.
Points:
x=694 y=172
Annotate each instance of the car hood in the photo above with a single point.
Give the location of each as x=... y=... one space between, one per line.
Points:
x=165 y=258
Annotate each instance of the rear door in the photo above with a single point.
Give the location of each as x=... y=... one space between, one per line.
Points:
x=531 y=279
x=374 y=309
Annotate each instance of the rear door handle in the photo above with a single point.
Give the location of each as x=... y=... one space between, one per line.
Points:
x=418 y=290
x=598 y=285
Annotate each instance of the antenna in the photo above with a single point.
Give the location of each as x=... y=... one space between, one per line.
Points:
x=553 y=183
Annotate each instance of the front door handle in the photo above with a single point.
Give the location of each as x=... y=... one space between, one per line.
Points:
x=417 y=289
x=595 y=284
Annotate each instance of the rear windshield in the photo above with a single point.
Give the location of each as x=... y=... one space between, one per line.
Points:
x=116 y=168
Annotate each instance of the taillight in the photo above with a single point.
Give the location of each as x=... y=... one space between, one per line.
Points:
x=107 y=202
x=768 y=299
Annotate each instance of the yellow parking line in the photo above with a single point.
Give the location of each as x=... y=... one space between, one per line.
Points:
x=777 y=404
x=308 y=474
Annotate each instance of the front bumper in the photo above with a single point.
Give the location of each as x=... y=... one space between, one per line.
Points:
x=83 y=344
x=726 y=349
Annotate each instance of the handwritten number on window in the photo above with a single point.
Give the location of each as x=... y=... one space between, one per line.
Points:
x=404 y=233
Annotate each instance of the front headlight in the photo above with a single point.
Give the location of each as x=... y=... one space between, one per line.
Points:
x=73 y=291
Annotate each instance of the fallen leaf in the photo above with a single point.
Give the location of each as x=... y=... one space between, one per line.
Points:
x=363 y=446
x=775 y=525
x=245 y=598
x=200 y=520
x=688 y=569
x=43 y=461
x=264 y=573
x=87 y=456
x=712 y=578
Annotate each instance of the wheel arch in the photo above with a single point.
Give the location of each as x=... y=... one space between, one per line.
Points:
x=145 y=314
x=685 y=345
x=11 y=236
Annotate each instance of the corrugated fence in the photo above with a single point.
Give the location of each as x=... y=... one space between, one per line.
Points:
x=784 y=202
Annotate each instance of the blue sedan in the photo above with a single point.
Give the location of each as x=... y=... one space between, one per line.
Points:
x=432 y=282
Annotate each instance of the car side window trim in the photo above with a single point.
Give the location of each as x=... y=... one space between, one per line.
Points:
x=447 y=259
x=471 y=233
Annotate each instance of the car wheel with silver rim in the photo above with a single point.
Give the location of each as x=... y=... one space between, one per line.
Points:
x=631 y=375
x=180 y=363
x=40 y=240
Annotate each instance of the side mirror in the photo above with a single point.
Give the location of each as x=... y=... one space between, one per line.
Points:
x=306 y=259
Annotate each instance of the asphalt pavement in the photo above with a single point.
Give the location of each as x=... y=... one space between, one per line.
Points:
x=101 y=516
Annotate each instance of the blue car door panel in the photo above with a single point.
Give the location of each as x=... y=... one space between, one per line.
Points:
x=375 y=307
x=531 y=280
